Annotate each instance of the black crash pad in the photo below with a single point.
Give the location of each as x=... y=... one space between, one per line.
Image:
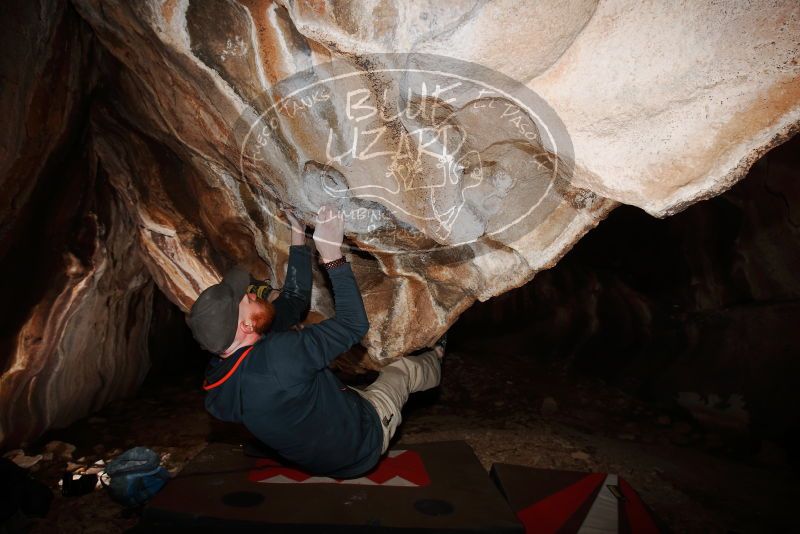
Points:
x=431 y=487
x=548 y=500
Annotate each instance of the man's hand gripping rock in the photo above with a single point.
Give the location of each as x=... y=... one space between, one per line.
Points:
x=329 y=233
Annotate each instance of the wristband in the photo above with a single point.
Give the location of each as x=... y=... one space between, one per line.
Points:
x=335 y=263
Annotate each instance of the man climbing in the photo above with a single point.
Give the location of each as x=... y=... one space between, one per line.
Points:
x=279 y=384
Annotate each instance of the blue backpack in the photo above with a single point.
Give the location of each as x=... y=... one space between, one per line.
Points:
x=136 y=476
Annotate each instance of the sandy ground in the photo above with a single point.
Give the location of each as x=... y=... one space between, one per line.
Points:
x=695 y=481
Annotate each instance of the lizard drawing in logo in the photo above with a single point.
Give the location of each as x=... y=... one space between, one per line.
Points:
x=432 y=160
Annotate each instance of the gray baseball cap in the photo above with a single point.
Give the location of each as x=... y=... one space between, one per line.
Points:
x=214 y=316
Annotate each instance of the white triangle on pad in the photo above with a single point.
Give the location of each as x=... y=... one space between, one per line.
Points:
x=399 y=481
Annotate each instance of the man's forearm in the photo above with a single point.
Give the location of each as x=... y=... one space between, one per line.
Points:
x=298 y=273
x=295 y=297
x=348 y=302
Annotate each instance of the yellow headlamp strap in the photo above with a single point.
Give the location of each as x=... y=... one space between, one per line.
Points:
x=261 y=290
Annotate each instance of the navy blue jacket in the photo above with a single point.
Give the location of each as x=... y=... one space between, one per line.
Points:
x=284 y=392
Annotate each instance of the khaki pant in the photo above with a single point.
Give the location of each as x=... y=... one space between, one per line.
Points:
x=396 y=381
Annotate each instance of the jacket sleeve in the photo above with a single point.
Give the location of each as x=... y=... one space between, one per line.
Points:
x=292 y=304
x=297 y=356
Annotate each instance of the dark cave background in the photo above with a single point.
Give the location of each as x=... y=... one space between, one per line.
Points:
x=704 y=303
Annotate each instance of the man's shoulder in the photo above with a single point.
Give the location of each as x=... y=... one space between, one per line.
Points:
x=272 y=341
x=271 y=350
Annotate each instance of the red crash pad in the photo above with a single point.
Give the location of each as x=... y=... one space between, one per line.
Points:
x=397 y=468
x=549 y=501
